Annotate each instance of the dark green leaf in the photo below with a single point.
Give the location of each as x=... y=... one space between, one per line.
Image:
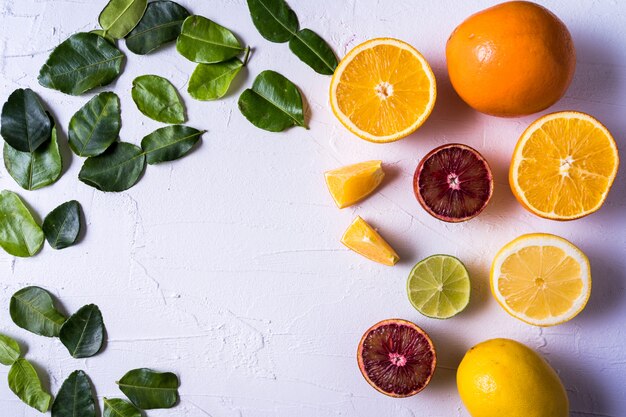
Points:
x=37 y=169
x=211 y=81
x=314 y=51
x=120 y=16
x=96 y=125
x=101 y=32
x=75 y=398
x=82 y=62
x=169 y=143
x=159 y=25
x=83 y=333
x=25 y=383
x=32 y=309
x=204 y=41
x=25 y=124
x=274 y=20
x=148 y=389
x=62 y=225
x=158 y=99
x=117 y=169
x=116 y=407
x=9 y=350
x=20 y=235
x=273 y=103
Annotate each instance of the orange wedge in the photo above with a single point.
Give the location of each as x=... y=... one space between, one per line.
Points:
x=563 y=166
x=364 y=240
x=352 y=183
x=383 y=90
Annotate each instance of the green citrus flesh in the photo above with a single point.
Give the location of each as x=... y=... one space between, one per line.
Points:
x=439 y=286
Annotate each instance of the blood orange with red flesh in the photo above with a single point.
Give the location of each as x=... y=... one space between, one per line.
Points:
x=397 y=357
x=453 y=183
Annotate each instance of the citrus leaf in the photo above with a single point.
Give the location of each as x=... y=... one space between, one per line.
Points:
x=273 y=103
x=117 y=169
x=120 y=16
x=62 y=225
x=83 y=333
x=169 y=143
x=25 y=383
x=9 y=350
x=314 y=51
x=159 y=25
x=116 y=407
x=148 y=389
x=204 y=41
x=274 y=20
x=32 y=309
x=20 y=235
x=211 y=81
x=82 y=62
x=158 y=99
x=96 y=125
x=25 y=124
x=75 y=397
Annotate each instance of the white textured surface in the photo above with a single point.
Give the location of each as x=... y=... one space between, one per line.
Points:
x=226 y=266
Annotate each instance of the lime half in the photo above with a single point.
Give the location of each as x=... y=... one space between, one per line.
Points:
x=439 y=286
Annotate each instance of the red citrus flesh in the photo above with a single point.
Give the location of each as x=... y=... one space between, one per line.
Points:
x=453 y=183
x=396 y=357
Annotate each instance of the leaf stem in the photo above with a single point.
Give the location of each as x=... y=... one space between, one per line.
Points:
x=246 y=55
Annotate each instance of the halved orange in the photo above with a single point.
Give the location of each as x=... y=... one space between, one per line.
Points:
x=563 y=166
x=364 y=240
x=383 y=90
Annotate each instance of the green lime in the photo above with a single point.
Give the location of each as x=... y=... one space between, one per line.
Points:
x=439 y=286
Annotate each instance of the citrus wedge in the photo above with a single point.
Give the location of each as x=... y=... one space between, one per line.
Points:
x=383 y=90
x=563 y=166
x=364 y=240
x=351 y=183
x=541 y=279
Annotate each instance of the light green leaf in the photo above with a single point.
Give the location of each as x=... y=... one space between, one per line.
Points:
x=148 y=389
x=25 y=383
x=160 y=24
x=116 y=407
x=158 y=99
x=96 y=125
x=83 y=333
x=204 y=41
x=25 y=125
x=62 y=225
x=75 y=398
x=20 y=235
x=211 y=81
x=314 y=51
x=9 y=350
x=32 y=309
x=117 y=169
x=169 y=143
x=120 y=16
x=274 y=20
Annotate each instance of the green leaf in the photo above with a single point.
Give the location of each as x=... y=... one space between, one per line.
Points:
x=204 y=41
x=20 y=235
x=117 y=169
x=75 y=397
x=9 y=350
x=83 y=333
x=148 y=389
x=274 y=20
x=273 y=103
x=32 y=309
x=158 y=99
x=62 y=225
x=314 y=51
x=96 y=125
x=120 y=16
x=169 y=143
x=116 y=407
x=82 y=62
x=160 y=24
x=211 y=81
x=34 y=170
x=25 y=383
x=104 y=34
x=25 y=124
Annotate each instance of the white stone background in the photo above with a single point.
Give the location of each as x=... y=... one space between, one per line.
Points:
x=225 y=266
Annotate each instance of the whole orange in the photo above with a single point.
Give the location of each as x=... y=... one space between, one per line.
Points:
x=513 y=59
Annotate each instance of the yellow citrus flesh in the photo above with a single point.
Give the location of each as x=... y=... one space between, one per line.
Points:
x=563 y=166
x=351 y=183
x=383 y=90
x=541 y=279
x=364 y=240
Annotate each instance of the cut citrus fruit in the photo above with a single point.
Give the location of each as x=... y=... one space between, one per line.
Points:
x=541 y=279
x=563 y=166
x=383 y=90
x=351 y=183
x=397 y=358
x=364 y=240
x=439 y=286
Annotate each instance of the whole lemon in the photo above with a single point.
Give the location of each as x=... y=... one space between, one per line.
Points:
x=513 y=59
x=504 y=378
